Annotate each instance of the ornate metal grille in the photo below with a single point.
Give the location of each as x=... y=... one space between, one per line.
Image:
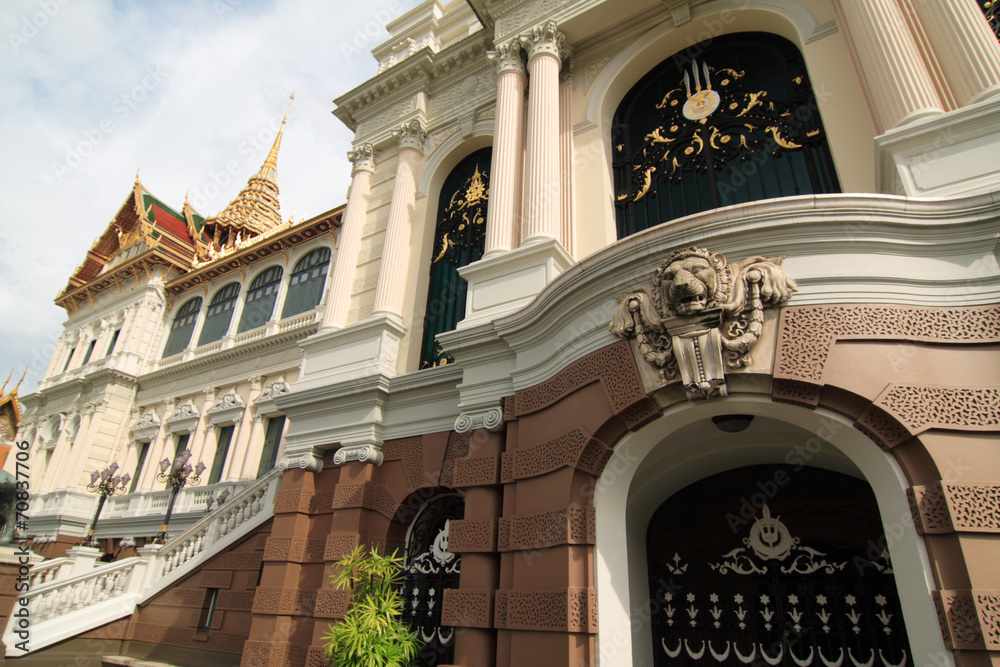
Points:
x=769 y=564
x=430 y=569
x=459 y=239
x=738 y=123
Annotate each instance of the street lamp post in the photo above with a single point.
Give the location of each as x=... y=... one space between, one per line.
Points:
x=104 y=483
x=178 y=475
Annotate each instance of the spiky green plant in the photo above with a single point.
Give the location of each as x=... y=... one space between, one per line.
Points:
x=371 y=633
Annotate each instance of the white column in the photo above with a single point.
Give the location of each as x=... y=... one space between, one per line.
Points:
x=255 y=446
x=567 y=191
x=197 y=444
x=966 y=49
x=241 y=441
x=503 y=217
x=396 y=253
x=86 y=435
x=57 y=356
x=546 y=47
x=101 y=342
x=349 y=241
x=60 y=452
x=896 y=81
x=156 y=450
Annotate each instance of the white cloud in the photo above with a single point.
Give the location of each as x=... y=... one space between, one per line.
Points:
x=95 y=90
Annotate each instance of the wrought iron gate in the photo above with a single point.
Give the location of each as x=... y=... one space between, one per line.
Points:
x=430 y=569
x=774 y=565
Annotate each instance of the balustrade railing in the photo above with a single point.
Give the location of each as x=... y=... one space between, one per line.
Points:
x=123 y=583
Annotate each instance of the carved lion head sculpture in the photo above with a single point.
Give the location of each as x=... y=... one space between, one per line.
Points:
x=691 y=281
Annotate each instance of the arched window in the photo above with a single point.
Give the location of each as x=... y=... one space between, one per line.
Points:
x=737 y=123
x=260 y=298
x=775 y=564
x=431 y=568
x=459 y=239
x=182 y=328
x=220 y=312
x=305 y=287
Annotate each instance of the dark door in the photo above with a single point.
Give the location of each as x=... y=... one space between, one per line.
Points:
x=774 y=565
x=431 y=568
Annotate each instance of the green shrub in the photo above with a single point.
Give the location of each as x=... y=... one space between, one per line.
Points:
x=370 y=634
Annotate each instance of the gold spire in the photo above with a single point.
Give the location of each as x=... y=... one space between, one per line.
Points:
x=256 y=208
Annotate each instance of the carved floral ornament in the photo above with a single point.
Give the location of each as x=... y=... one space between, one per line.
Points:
x=702 y=315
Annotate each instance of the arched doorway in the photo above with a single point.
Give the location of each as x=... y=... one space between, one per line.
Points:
x=776 y=565
x=431 y=568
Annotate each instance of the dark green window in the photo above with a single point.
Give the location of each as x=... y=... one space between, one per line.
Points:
x=738 y=123
x=182 y=328
x=305 y=287
x=90 y=351
x=220 y=313
x=275 y=425
x=182 y=443
x=459 y=239
x=114 y=341
x=221 y=449
x=69 y=359
x=260 y=298
x=143 y=452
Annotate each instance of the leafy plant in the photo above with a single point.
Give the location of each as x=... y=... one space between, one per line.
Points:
x=371 y=633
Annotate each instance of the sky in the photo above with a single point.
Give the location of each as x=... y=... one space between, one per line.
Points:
x=187 y=93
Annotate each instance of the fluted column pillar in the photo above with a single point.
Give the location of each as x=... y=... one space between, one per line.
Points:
x=197 y=445
x=503 y=218
x=965 y=47
x=241 y=440
x=567 y=191
x=339 y=300
x=545 y=45
x=57 y=356
x=396 y=252
x=897 y=84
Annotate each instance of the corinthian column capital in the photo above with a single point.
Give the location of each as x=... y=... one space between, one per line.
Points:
x=411 y=135
x=545 y=39
x=363 y=157
x=508 y=57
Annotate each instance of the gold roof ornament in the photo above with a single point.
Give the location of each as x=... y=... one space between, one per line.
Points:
x=10 y=409
x=256 y=208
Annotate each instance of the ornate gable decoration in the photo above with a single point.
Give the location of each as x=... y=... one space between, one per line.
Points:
x=265 y=402
x=228 y=408
x=146 y=428
x=701 y=315
x=185 y=418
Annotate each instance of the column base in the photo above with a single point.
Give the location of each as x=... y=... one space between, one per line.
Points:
x=948 y=155
x=370 y=347
x=507 y=282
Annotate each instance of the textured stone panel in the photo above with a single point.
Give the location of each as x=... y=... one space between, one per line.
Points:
x=465 y=536
x=331 y=603
x=235 y=600
x=410 y=452
x=338 y=546
x=479 y=471
x=882 y=427
x=561 y=610
x=467 y=608
x=458 y=448
x=807 y=333
x=236 y=561
x=920 y=408
x=945 y=507
x=180 y=597
x=798 y=393
x=216 y=579
x=548 y=456
x=572 y=525
x=613 y=366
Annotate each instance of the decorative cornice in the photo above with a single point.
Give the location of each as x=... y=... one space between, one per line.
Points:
x=545 y=39
x=508 y=57
x=304 y=461
x=362 y=157
x=364 y=453
x=146 y=428
x=491 y=420
x=411 y=135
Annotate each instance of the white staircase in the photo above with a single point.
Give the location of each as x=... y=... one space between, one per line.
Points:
x=69 y=596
